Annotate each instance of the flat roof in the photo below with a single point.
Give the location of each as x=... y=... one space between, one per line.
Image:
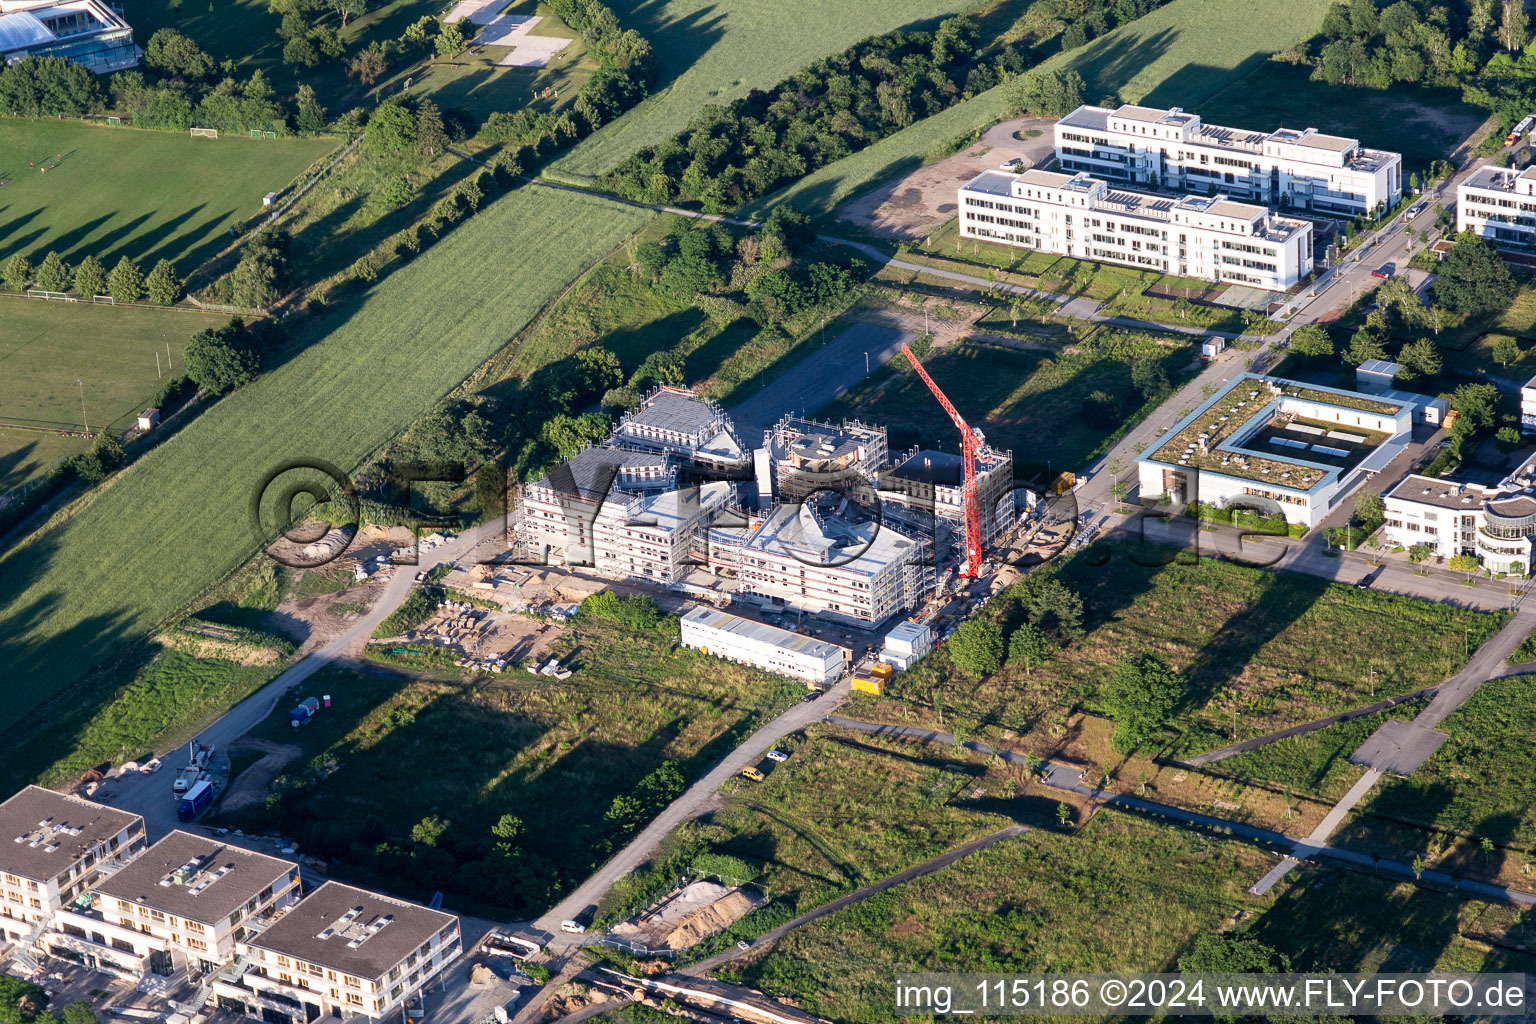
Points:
x=1427 y=490
x=673 y=410
x=1380 y=366
x=994 y=183
x=860 y=547
x=42 y=832
x=365 y=933
x=932 y=467
x=1048 y=179
x=713 y=618
x=596 y=472
x=1088 y=117
x=1332 y=143
x=1133 y=112
x=196 y=878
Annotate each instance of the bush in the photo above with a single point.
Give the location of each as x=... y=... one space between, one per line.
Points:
x=219 y=359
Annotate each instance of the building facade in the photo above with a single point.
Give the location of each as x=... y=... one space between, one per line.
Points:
x=1299 y=169
x=53 y=848
x=1493 y=524
x=766 y=647
x=929 y=483
x=1078 y=215
x=1500 y=205
x=343 y=952
x=86 y=32
x=179 y=907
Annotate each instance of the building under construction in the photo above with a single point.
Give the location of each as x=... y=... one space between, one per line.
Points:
x=818 y=520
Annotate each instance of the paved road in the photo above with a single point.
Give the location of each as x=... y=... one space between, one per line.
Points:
x=151 y=796
x=1304 y=728
x=586 y=896
x=927 y=867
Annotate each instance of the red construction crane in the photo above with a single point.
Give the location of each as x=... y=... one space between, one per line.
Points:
x=970 y=444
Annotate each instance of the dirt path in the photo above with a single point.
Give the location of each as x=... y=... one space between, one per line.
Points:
x=252 y=785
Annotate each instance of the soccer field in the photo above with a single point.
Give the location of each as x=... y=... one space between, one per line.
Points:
x=117 y=192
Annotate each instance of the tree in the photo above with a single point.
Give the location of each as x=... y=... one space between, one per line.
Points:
x=1420 y=358
x=368 y=65
x=1049 y=93
x=311 y=115
x=428 y=830
x=1472 y=279
x=1312 y=341
x=300 y=51
x=1233 y=954
x=976 y=648
x=219 y=359
x=346 y=9
x=450 y=40
x=391 y=128
x=1063 y=814
x=1515 y=27
x=1149 y=377
x=1508 y=438
x=1463 y=563
x=1506 y=349
x=1476 y=405
x=175 y=54
x=1369 y=507
x=18 y=273
x=54 y=274
x=1141 y=696
x=162 y=285
x=1029 y=646
x=431 y=137
x=1418 y=865
x=1363 y=345
x=90 y=277
x=257 y=280
x=126 y=282
x=1053 y=606
x=78 y=1013
x=570 y=434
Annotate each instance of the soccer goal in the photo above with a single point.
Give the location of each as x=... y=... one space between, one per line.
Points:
x=38 y=293
x=259 y=133
x=103 y=300
x=114 y=120
x=205 y=133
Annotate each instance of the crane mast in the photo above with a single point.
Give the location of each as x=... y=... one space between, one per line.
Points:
x=969 y=447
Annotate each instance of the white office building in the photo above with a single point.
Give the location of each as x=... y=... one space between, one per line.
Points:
x=1078 y=215
x=1299 y=169
x=1500 y=205
x=1493 y=523
x=766 y=647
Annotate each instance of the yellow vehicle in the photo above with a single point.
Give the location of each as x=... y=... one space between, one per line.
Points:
x=752 y=773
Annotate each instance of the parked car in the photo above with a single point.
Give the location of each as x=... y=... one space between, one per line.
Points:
x=777 y=755
x=1416 y=209
x=1385 y=270
x=573 y=927
x=810 y=696
x=752 y=773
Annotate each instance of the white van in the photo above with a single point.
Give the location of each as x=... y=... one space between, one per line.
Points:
x=573 y=927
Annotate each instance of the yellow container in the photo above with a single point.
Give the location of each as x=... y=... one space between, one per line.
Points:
x=871 y=685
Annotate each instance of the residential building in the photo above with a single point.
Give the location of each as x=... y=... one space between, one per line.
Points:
x=1214 y=238
x=54 y=847
x=341 y=951
x=1499 y=204
x=1493 y=523
x=180 y=906
x=1299 y=169
x=1277 y=445
x=90 y=33
x=766 y=647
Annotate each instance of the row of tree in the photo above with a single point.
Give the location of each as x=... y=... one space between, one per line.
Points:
x=124 y=282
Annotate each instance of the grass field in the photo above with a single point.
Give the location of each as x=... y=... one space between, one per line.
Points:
x=1180 y=54
x=1261 y=642
x=715 y=51
x=26 y=454
x=1121 y=894
x=48 y=346
x=77 y=591
x=1027 y=401
x=142 y=194
x=407 y=749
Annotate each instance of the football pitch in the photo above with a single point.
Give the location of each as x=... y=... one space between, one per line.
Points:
x=115 y=192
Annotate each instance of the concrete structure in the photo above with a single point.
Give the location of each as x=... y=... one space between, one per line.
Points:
x=1300 y=169
x=342 y=951
x=766 y=647
x=1495 y=524
x=1085 y=217
x=1277 y=445
x=808 y=456
x=178 y=908
x=906 y=645
x=53 y=848
x=1375 y=376
x=88 y=32
x=931 y=485
x=676 y=421
x=1500 y=205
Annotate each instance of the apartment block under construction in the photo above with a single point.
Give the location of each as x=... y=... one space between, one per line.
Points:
x=818 y=519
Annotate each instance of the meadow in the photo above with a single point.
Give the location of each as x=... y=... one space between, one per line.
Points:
x=392 y=751
x=145 y=195
x=716 y=51
x=1120 y=894
x=1178 y=55
x=49 y=346
x=1028 y=401
x=353 y=379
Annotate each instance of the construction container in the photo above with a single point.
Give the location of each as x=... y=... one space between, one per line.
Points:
x=869 y=684
x=882 y=670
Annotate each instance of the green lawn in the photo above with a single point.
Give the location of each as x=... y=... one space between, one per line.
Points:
x=715 y=51
x=26 y=454
x=1180 y=54
x=48 y=346
x=145 y=195
x=1028 y=401
x=1121 y=894
x=357 y=377
x=554 y=754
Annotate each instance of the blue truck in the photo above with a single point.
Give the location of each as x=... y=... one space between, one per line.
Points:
x=195 y=801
